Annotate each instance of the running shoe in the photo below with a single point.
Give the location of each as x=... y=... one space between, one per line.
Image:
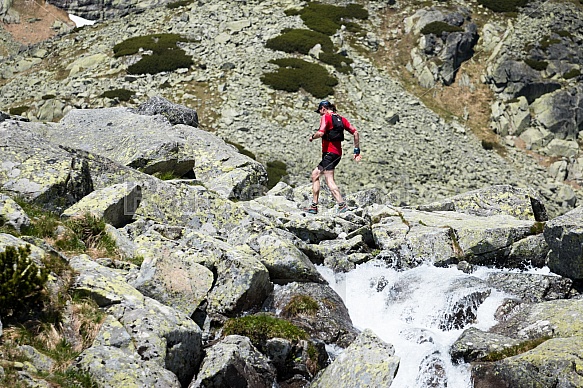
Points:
x=342 y=207
x=313 y=209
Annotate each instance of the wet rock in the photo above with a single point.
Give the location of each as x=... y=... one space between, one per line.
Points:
x=530 y=251
x=329 y=323
x=554 y=363
x=531 y=288
x=564 y=235
x=234 y=361
x=367 y=361
x=475 y=344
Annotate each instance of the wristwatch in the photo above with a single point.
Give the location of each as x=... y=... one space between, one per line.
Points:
x=356 y=151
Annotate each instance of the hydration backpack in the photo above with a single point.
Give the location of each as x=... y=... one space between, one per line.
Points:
x=337 y=131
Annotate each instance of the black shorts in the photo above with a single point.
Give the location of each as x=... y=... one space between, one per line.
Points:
x=329 y=161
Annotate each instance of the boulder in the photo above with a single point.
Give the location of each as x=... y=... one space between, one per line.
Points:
x=554 y=363
x=562 y=148
x=524 y=204
x=113 y=334
x=278 y=252
x=39 y=171
x=536 y=138
x=444 y=237
x=564 y=235
x=554 y=318
x=170 y=275
x=531 y=251
x=148 y=144
x=106 y=10
x=11 y=214
x=531 y=287
x=116 y=204
x=242 y=283
x=557 y=112
x=175 y=113
x=111 y=367
x=367 y=362
x=474 y=345
x=234 y=362
x=36 y=253
x=330 y=323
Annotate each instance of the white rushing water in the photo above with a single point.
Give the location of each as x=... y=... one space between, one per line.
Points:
x=421 y=312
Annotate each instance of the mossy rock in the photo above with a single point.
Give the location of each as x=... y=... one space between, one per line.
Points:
x=120 y=94
x=294 y=74
x=573 y=73
x=261 y=327
x=438 y=28
x=503 y=5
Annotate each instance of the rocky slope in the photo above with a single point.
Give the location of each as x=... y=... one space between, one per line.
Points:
x=207 y=261
x=410 y=152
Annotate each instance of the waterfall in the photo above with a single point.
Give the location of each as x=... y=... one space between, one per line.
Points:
x=421 y=311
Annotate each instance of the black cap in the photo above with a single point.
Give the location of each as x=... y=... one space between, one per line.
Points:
x=326 y=104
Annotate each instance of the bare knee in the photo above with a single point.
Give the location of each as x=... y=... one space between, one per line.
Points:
x=315 y=175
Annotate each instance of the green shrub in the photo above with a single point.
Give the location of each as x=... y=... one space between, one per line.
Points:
x=340 y=62
x=300 y=41
x=157 y=43
x=19 y=110
x=564 y=34
x=166 y=175
x=487 y=145
x=535 y=64
x=537 y=228
x=503 y=5
x=294 y=74
x=327 y=19
x=168 y=60
x=21 y=280
x=275 y=171
x=120 y=94
x=573 y=73
x=48 y=97
x=300 y=305
x=166 y=56
x=437 y=28
x=547 y=41
x=261 y=327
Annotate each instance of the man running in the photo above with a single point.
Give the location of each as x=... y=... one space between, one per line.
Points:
x=331 y=131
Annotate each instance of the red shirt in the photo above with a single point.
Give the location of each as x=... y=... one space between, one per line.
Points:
x=333 y=146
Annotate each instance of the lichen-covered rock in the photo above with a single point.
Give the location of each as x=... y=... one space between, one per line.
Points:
x=531 y=251
x=115 y=204
x=106 y=286
x=367 y=362
x=330 y=323
x=556 y=318
x=564 y=235
x=112 y=333
x=40 y=361
x=111 y=367
x=11 y=214
x=141 y=142
x=175 y=113
x=163 y=335
x=554 y=363
x=242 y=283
x=39 y=171
x=475 y=344
x=523 y=204
x=234 y=361
x=170 y=275
x=530 y=287
x=342 y=255
x=194 y=207
x=444 y=236
x=284 y=261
